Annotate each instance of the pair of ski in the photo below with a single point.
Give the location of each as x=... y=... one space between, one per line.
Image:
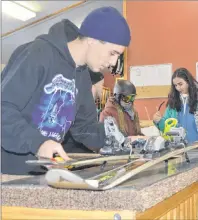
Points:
x=59 y=177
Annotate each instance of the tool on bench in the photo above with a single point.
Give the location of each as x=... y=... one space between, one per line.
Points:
x=169 y=124
x=46 y=161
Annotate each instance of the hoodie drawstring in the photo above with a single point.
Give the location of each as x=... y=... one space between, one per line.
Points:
x=184 y=101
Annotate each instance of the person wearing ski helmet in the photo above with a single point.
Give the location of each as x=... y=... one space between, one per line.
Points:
x=120 y=106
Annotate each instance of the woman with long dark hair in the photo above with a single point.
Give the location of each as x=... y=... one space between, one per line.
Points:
x=182 y=104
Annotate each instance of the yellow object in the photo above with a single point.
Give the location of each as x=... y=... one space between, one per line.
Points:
x=171 y=167
x=169 y=123
x=69 y=167
x=59 y=159
x=173 y=162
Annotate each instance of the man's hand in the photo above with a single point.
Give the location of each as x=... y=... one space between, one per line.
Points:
x=48 y=148
x=157 y=117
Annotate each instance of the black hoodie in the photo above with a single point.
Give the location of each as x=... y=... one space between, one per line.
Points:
x=43 y=96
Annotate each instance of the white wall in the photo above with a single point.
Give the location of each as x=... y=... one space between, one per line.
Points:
x=76 y=15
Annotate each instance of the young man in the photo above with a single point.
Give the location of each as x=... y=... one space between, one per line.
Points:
x=46 y=88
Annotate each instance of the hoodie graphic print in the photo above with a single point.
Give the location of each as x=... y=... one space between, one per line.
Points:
x=58 y=99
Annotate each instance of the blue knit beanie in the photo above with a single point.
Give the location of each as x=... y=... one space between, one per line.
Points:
x=106 y=24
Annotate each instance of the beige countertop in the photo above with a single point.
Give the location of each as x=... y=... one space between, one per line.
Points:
x=115 y=199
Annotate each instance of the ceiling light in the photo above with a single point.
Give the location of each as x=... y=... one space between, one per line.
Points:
x=31 y=5
x=17 y=11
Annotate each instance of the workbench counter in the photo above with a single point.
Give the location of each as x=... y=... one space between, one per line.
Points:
x=43 y=196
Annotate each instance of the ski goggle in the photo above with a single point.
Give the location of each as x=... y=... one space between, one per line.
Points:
x=128 y=98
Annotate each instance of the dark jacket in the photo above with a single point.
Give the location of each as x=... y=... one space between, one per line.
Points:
x=44 y=96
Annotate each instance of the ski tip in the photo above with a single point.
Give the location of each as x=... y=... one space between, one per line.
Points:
x=52 y=176
x=57 y=175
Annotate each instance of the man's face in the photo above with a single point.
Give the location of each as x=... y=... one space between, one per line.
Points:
x=101 y=55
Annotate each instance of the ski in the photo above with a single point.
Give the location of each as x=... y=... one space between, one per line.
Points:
x=63 y=178
x=82 y=162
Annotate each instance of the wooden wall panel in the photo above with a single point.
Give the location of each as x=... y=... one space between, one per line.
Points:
x=181 y=206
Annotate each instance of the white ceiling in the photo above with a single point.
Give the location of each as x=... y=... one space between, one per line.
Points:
x=42 y=8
